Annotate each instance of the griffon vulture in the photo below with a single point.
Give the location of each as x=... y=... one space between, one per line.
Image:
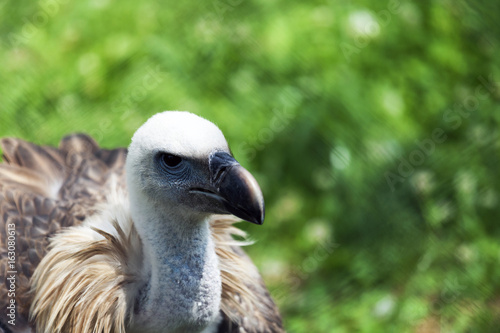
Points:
x=97 y=240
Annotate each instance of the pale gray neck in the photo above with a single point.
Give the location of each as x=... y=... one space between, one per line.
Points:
x=182 y=285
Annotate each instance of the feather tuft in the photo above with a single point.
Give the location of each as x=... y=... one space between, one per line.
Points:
x=85 y=282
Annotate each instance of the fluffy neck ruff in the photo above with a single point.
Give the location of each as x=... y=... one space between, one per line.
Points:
x=97 y=277
x=182 y=292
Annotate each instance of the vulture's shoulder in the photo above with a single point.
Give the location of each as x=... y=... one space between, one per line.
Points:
x=247 y=305
x=42 y=190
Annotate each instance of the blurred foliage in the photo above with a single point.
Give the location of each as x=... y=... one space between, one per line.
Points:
x=371 y=126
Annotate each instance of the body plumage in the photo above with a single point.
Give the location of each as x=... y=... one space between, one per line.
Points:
x=107 y=242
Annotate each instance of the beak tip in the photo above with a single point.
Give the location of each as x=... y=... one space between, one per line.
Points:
x=259 y=212
x=241 y=192
x=259 y=219
x=255 y=213
x=262 y=215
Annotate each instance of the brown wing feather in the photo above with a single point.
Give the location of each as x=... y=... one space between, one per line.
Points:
x=44 y=189
x=257 y=319
x=246 y=305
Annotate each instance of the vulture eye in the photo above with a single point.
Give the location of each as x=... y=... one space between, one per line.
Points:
x=170 y=160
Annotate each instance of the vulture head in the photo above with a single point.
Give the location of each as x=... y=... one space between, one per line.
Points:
x=177 y=159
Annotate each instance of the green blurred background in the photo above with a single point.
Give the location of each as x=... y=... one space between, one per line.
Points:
x=372 y=128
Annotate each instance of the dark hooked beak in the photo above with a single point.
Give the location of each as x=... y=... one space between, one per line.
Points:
x=235 y=188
